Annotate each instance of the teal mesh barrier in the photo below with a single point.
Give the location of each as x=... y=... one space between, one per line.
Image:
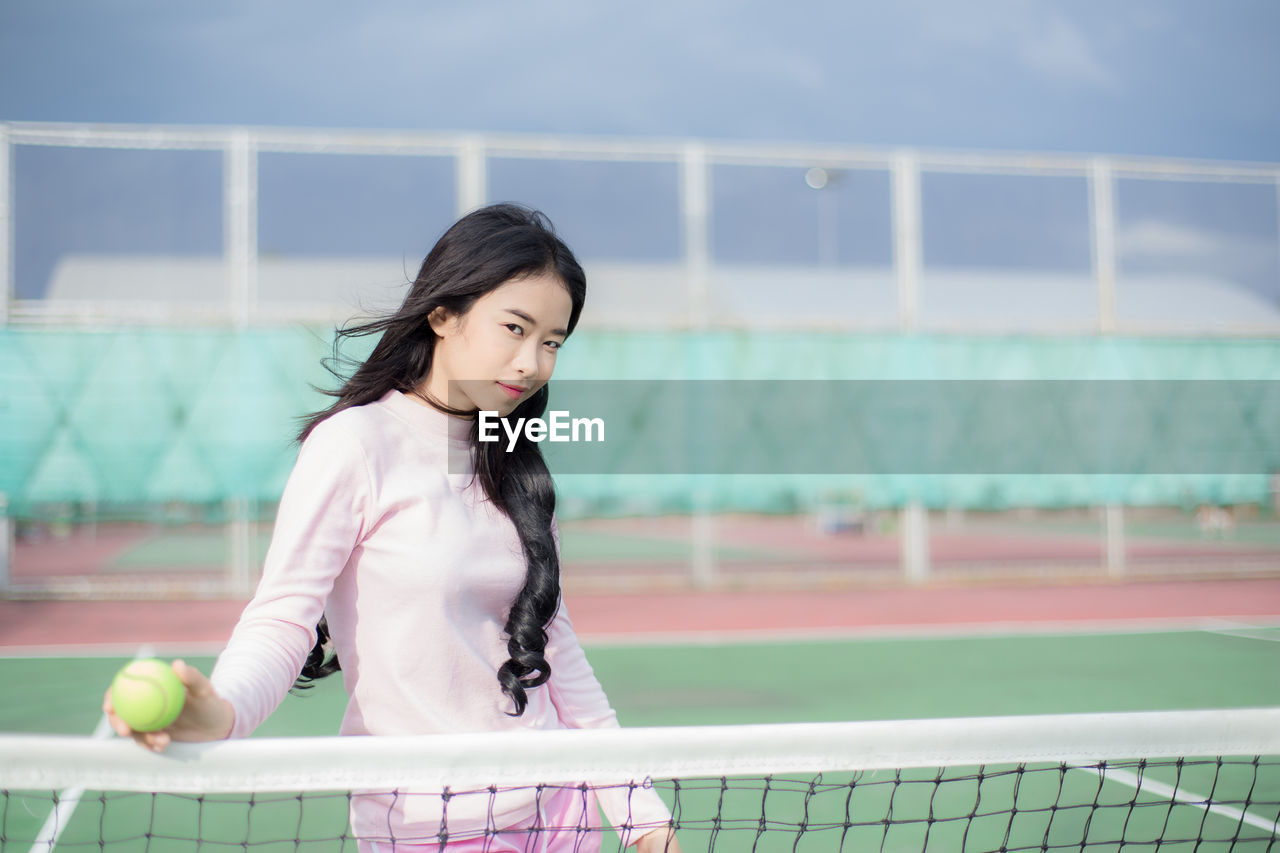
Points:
x=134 y=417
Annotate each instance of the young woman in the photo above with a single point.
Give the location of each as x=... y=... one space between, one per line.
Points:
x=424 y=563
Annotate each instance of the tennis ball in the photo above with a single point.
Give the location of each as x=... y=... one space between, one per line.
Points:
x=148 y=695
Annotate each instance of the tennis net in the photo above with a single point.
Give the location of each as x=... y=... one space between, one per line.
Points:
x=1169 y=781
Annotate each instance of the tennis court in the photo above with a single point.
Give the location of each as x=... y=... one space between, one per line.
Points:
x=779 y=677
x=608 y=554
x=1068 y=504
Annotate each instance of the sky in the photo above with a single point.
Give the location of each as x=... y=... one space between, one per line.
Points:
x=1183 y=78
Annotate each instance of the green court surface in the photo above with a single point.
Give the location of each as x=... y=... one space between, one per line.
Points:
x=770 y=682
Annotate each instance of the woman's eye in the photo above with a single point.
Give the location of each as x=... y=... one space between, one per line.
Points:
x=515 y=327
x=555 y=344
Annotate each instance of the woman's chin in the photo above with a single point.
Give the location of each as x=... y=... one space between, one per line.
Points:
x=503 y=407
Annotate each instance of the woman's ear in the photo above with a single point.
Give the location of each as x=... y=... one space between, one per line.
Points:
x=441 y=320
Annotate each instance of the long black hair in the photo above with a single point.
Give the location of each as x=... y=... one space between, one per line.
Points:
x=480 y=252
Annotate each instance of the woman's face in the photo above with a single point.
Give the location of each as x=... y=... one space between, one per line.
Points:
x=503 y=349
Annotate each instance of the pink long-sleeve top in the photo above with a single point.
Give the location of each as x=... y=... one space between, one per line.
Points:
x=415 y=571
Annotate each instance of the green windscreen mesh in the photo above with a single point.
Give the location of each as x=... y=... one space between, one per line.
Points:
x=129 y=417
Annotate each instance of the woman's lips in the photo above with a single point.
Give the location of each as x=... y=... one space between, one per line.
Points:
x=512 y=391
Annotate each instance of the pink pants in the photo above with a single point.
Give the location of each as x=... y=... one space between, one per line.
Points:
x=565 y=812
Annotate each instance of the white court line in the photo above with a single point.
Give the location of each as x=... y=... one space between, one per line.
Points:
x=65 y=805
x=1064 y=628
x=1251 y=627
x=1178 y=795
x=1244 y=630
x=109 y=650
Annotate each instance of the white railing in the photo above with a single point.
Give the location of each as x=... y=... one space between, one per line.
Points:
x=694 y=272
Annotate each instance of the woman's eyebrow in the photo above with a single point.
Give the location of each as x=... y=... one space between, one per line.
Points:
x=523 y=316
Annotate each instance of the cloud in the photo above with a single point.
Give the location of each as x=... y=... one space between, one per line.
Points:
x=1164 y=246
x=1040 y=39
x=1156 y=238
x=1058 y=50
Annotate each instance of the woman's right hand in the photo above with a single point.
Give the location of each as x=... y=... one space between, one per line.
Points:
x=658 y=841
x=205 y=715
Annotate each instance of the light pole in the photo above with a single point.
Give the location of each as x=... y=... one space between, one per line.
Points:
x=821 y=180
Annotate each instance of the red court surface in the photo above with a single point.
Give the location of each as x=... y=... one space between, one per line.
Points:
x=68 y=624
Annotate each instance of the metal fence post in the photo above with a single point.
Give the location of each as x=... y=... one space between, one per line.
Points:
x=239 y=530
x=471 y=172
x=8 y=288
x=915 y=542
x=1114 y=536
x=908 y=256
x=1102 y=217
x=240 y=215
x=6 y=546
x=695 y=212
x=908 y=260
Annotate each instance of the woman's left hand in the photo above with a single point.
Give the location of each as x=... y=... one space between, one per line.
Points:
x=658 y=841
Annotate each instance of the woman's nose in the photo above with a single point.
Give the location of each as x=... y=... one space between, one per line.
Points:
x=526 y=361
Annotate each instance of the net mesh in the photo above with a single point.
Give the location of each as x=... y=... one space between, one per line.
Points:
x=844 y=796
